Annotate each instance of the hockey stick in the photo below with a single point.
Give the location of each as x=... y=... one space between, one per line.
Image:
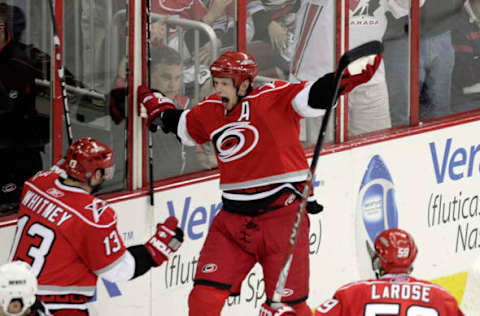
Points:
x=149 y=58
x=61 y=74
x=355 y=60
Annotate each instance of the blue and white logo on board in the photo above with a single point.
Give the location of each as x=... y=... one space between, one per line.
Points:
x=376 y=209
x=377 y=199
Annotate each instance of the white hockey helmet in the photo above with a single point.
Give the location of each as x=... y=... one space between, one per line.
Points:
x=17 y=281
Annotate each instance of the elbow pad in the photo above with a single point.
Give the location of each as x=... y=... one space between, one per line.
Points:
x=321 y=92
x=143 y=260
x=168 y=121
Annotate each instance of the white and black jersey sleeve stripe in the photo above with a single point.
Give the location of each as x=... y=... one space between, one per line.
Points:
x=122 y=269
x=134 y=262
x=182 y=131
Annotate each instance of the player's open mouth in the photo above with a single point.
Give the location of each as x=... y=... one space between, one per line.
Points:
x=225 y=101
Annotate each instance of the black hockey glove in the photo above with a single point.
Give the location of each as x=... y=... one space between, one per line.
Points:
x=313 y=207
x=321 y=92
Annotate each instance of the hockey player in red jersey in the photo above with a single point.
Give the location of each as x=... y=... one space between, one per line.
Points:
x=394 y=292
x=70 y=237
x=262 y=165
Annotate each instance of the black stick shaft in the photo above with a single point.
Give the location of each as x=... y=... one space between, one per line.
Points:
x=149 y=57
x=61 y=74
x=369 y=48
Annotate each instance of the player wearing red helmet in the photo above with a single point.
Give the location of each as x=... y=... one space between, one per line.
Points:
x=395 y=252
x=263 y=168
x=84 y=158
x=70 y=237
x=394 y=292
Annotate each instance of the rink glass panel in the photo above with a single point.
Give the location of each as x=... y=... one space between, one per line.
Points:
x=181 y=48
x=25 y=98
x=95 y=55
x=95 y=52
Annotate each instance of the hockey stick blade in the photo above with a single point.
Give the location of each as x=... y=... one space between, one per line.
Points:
x=356 y=58
x=350 y=58
x=362 y=51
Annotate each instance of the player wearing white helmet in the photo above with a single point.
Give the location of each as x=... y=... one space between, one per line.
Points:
x=18 y=287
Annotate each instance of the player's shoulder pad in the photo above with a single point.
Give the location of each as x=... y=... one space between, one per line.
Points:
x=99 y=213
x=430 y=284
x=93 y=211
x=44 y=174
x=354 y=284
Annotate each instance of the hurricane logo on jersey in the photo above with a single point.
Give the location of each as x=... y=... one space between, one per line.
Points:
x=97 y=207
x=234 y=140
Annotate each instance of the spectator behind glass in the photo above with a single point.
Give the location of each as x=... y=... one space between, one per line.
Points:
x=85 y=34
x=466 y=72
x=173 y=157
x=269 y=31
x=166 y=76
x=23 y=132
x=276 y=26
x=368 y=104
x=436 y=61
x=195 y=10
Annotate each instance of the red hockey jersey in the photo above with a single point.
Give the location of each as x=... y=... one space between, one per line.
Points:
x=257 y=142
x=67 y=235
x=400 y=295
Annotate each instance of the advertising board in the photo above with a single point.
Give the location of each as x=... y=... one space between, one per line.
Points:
x=425 y=183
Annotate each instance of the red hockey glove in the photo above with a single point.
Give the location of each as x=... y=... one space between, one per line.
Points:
x=322 y=90
x=280 y=310
x=353 y=77
x=151 y=105
x=166 y=240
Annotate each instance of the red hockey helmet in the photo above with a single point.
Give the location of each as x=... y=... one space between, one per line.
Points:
x=86 y=155
x=236 y=65
x=395 y=250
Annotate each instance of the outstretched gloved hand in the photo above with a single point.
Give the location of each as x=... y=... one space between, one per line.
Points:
x=359 y=73
x=167 y=240
x=322 y=91
x=152 y=104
